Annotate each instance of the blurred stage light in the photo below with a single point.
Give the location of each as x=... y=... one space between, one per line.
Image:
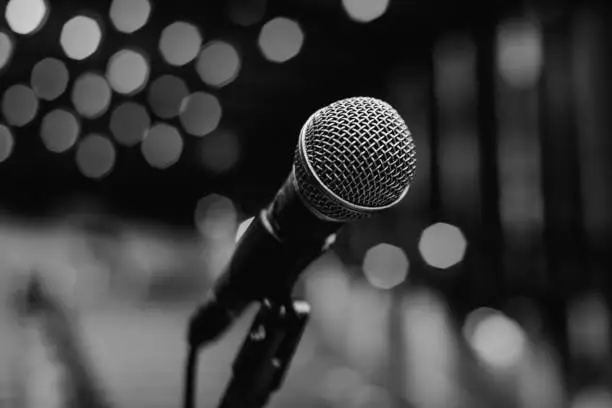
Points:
x=442 y=245
x=431 y=350
x=215 y=217
x=166 y=94
x=19 y=105
x=589 y=327
x=180 y=43
x=59 y=130
x=127 y=72
x=91 y=95
x=129 y=16
x=80 y=37
x=385 y=266
x=218 y=63
x=592 y=397
x=366 y=344
x=6 y=143
x=328 y=288
x=129 y=123
x=496 y=339
x=162 y=146
x=26 y=16
x=95 y=156
x=6 y=49
x=49 y=78
x=246 y=12
x=519 y=53
x=244 y=225
x=281 y=39
x=220 y=150
x=455 y=72
x=364 y=11
x=201 y=113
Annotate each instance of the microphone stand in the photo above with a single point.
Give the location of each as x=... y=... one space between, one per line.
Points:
x=264 y=358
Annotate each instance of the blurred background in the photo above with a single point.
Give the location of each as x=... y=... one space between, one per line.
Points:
x=138 y=138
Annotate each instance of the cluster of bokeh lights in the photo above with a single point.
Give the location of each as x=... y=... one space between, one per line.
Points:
x=172 y=108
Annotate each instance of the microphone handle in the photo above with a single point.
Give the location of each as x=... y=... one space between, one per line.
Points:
x=280 y=242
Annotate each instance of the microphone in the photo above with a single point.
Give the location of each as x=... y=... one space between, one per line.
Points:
x=354 y=157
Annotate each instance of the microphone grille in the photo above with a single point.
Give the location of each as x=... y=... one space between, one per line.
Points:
x=355 y=156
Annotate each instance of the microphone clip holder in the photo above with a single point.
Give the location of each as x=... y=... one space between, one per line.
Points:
x=266 y=354
x=261 y=364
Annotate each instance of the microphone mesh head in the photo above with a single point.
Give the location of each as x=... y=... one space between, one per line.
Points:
x=354 y=157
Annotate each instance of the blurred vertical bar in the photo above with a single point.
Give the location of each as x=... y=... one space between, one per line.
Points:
x=589 y=316
x=456 y=158
x=591 y=90
x=519 y=64
x=457 y=146
x=563 y=228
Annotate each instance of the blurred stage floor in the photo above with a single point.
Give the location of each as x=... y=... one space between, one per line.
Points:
x=139 y=356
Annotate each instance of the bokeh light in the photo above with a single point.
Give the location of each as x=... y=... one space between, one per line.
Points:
x=19 y=105
x=180 y=43
x=519 y=53
x=442 y=245
x=6 y=49
x=218 y=63
x=95 y=156
x=385 y=266
x=166 y=95
x=220 y=150
x=162 y=146
x=91 y=95
x=129 y=16
x=215 y=217
x=367 y=324
x=59 y=130
x=201 y=113
x=431 y=350
x=588 y=326
x=26 y=16
x=80 y=37
x=281 y=39
x=364 y=11
x=246 y=12
x=127 y=71
x=495 y=338
x=49 y=78
x=129 y=123
x=455 y=75
x=243 y=227
x=6 y=143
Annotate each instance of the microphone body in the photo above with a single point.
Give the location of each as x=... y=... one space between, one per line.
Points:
x=280 y=242
x=354 y=157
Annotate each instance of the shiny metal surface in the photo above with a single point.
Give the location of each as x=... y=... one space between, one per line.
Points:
x=355 y=156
